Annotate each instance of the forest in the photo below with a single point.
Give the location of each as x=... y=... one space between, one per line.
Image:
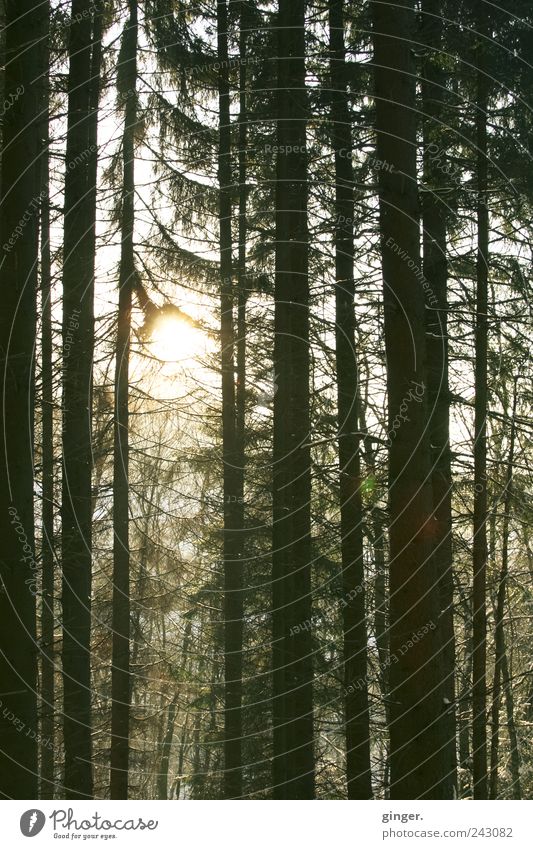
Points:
x=266 y=461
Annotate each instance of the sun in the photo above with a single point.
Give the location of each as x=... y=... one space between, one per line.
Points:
x=176 y=341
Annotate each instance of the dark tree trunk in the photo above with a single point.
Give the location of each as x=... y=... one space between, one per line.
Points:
x=417 y=767
x=166 y=744
x=293 y=762
x=357 y=719
x=377 y=541
x=516 y=785
x=48 y=543
x=240 y=391
x=464 y=726
x=166 y=748
x=480 y=552
x=434 y=196
x=94 y=102
x=19 y=237
x=2 y=69
x=242 y=297
x=233 y=605
x=500 y=663
x=243 y=232
x=120 y=677
x=78 y=344
x=184 y=746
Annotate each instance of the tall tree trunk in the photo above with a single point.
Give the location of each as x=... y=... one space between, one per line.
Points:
x=184 y=746
x=3 y=21
x=19 y=237
x=120 y=677
x=376 y=534
x=240 y=391
x=480 y=552
x=166 y=748
x=357 y=718
x=464 y=726
x=242 y=297
x=516 y=786
x=243 y=233
x=166 y=745
x=416 y=724
x=434 y=81
x=233 y=607
x=94 y=102
x=293 y=761
x=499 y=627
x=47 y=415
x=78 y=345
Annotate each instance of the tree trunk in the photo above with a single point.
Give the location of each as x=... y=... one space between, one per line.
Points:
x=463 y=717
x=3 y=20
x=516 y=787
x=417 y=768
x=184 y=745
x=94 y=102
x=499 y=628
x=293 y=761
x=78 y=344
x=243 y=233
x=120 y=678
x=48 y=543
x=434 y=82
x=357 y=719
x=376 y=534
x=166 y=748
x=19 y=220
x=480 y=553
x=240 y=391
x=233 y=608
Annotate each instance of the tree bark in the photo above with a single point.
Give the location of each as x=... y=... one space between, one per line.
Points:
x=233 y=607
x=78 y=345
x=47 y=413
x=19 y=237
x=516 y=787
x=357 y=720
x=376 y=534
x=242 y=297
x=434 y=84
x=3 y=19
x=417 y=767
x=500 y=661
x=293 y=761
x=121 y=678
x=480 y=552
x=166 y=748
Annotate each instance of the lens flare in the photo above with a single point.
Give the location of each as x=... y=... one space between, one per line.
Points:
x=176 y=341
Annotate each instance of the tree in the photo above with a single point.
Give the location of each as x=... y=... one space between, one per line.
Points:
x=501 y=673
x=47 y=423
x=435 y=211
x=351 y=526
x=480 y=552
x=232 y=461
x=416 y=713
x=229 y=387
x=120 y=679
x=293 y=763
x=19 y=214
x=78 y=343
